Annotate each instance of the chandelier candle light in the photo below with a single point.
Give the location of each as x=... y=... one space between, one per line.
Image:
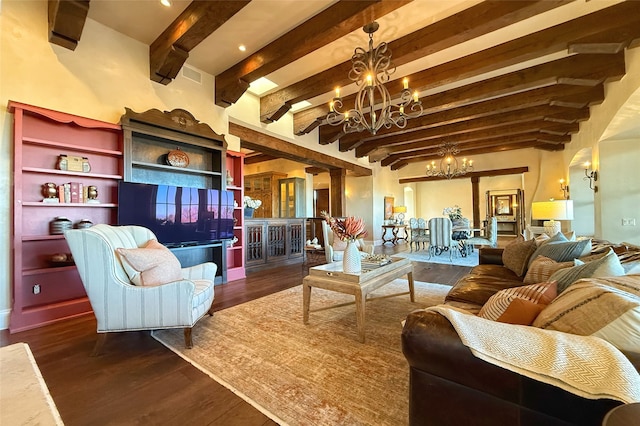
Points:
x=449 y=167
x=370 y=70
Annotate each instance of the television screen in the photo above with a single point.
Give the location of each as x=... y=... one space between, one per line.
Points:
x=178 y=215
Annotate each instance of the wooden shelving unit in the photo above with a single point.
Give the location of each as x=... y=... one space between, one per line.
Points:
x=44 y=293
x=236 y=251
x=148 y=137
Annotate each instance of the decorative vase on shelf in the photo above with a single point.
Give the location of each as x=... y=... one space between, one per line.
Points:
x=248 y=212
x=351 y=260
x=229 y=179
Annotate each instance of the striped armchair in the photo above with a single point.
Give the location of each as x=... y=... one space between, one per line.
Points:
x=120 y=305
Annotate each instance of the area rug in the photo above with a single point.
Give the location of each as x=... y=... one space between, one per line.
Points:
x=423 y=256
x=24 y=396
x=315 y=374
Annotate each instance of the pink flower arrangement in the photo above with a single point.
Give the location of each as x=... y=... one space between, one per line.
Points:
x=347 y=229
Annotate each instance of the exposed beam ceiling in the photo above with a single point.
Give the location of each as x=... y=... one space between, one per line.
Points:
x=492 y=75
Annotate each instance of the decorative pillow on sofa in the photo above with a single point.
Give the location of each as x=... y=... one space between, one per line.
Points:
x=606 y=266
x=563 y=251
x=519 y=305
x=607 y=307
x=150 y=265
x=542 y=268
x=515 y=255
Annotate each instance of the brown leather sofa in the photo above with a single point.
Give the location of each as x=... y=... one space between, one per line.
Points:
x=450 y=386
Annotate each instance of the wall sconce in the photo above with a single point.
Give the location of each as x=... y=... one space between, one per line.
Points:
x=591 y=175
x=565 y=189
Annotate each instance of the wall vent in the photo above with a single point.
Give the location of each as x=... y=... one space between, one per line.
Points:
x=191 y=74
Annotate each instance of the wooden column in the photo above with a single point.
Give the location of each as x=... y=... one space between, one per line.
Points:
x=337 y=199
x=475 y=196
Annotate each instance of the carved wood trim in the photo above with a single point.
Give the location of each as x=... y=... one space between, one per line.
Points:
x=178 y=120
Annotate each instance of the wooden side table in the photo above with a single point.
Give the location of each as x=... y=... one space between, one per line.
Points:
x=393 y=238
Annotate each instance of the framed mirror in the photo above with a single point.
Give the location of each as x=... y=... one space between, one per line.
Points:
x=503 y=205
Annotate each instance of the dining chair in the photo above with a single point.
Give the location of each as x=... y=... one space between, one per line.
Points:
x=490 y=237
x=440 y=229
x=419 y=233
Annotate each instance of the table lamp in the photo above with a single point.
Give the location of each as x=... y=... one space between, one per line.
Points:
x=552 y=211
x=400 y=211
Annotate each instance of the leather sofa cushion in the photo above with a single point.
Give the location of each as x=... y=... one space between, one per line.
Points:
x=481 y=283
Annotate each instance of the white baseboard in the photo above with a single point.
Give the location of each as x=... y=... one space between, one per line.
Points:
x=4 y=319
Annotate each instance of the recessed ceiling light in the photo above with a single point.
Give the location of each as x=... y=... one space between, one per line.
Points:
x=166 y=3
x=242 y=48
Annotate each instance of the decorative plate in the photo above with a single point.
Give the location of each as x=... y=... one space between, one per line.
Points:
x=177 y=158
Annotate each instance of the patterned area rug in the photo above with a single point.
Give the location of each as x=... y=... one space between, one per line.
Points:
x=423 y=256
x=317 y=373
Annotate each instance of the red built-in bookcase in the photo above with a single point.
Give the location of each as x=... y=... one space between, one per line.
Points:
x=236 y=252
x=45 y=292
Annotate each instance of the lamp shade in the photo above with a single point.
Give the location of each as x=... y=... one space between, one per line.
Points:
x=400 y=209
x=552 y=210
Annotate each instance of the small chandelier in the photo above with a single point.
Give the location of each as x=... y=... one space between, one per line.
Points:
x=449 y=167
x=373 y=108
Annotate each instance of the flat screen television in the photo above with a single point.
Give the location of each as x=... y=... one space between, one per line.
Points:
x=178 y=215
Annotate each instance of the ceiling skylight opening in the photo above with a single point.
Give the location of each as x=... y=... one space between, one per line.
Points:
x=300 y=105
x=165 y=3
x=261 y=86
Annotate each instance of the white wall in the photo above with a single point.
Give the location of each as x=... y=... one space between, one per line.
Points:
x=618 y=188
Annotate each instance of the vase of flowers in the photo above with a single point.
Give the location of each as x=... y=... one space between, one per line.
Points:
x=454 y=212
x=250 y=205
x=348 y=229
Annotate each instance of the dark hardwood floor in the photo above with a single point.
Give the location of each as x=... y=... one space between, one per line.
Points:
x=137 y=380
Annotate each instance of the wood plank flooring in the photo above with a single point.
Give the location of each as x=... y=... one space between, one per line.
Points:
x=138 y=381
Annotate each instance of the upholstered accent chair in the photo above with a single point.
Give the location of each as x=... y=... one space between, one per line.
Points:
x=490 y=237
x=119 y=304
x=440 y=232
x=419 y=233
x=334 y=248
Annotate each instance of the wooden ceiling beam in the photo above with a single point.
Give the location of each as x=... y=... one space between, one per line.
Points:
x=464 y=139
x=168 y=53
x=335 y=22
x=258 y=158
x=483 y=173
x=477 y=20
x=315 y=170
x=586 y=70
x=624 y=17
x=377 y=148
x=271 y=145
x=431 y=153
x=518 y=101
x=66 y=21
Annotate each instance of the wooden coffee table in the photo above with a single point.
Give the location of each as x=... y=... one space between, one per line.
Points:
x=331 y=277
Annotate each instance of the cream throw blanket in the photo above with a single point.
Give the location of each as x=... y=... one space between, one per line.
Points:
x=584 y=365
